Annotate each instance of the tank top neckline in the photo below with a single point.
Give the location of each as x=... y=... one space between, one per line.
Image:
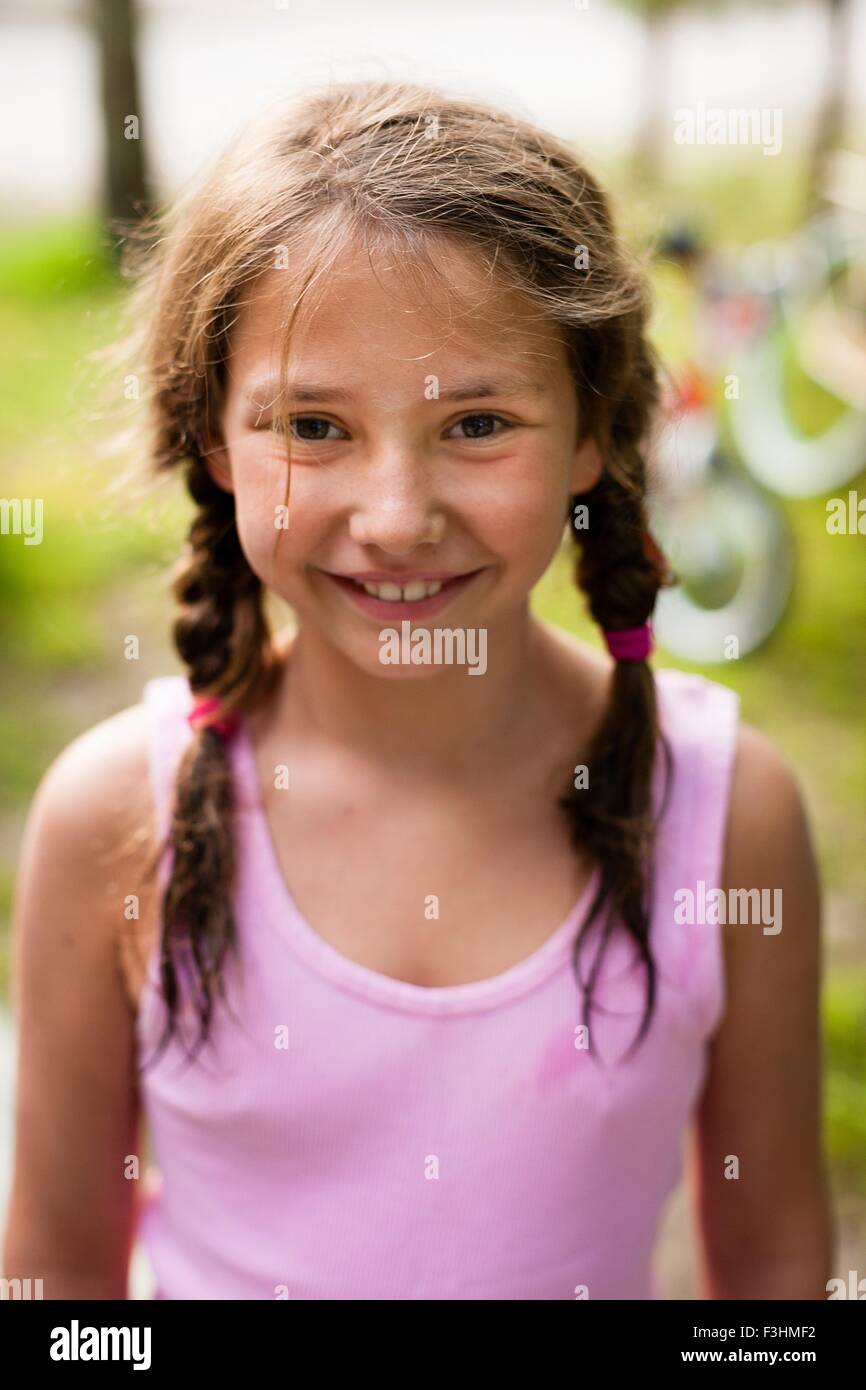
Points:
x=276 y=899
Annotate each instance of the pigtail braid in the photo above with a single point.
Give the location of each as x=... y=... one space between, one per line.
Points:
x=620 y=568
x=223 y=638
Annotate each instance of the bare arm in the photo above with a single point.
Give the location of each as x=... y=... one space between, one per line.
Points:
x=71 y=1213
x=768 y=1233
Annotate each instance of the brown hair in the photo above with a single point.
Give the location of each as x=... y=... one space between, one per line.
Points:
x=407 y=165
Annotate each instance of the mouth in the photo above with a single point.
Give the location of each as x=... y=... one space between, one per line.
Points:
x=412 y=598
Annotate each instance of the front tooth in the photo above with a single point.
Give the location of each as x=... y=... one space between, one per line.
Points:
x=392 y=593
x=409 y=593
x=417 y=589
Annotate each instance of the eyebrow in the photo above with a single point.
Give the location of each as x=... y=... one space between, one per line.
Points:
x=269 y=389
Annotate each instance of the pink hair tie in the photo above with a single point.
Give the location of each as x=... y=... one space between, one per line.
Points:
x=209 y=704
x=630 y=643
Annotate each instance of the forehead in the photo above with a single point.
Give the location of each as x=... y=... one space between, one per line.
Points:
x=385 y=313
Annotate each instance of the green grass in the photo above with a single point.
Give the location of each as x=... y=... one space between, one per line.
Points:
x=54 y=262
x=49 y=617
x=7 y=879
x=66 y=609
x=844 y=1012
x=59 y=299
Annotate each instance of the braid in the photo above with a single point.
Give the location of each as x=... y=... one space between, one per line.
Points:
x=620 y=568
x=223 y=638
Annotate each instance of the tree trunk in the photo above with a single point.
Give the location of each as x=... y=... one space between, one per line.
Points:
x=126 y=194
x=655 y=128
x=832 y=114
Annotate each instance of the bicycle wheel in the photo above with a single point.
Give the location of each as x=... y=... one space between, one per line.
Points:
x=773 y=451
x=734 y=554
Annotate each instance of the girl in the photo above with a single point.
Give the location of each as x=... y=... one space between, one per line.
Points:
x=423 y=1000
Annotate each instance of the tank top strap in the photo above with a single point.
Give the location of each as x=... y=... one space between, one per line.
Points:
x=699 y=719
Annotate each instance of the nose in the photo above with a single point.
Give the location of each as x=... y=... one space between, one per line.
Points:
x=396 y=509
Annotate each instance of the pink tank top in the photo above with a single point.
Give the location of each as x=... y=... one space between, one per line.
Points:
x=347 y=1135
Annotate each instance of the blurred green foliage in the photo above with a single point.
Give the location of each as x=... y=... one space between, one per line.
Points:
x=844 y=1012
x=59 y=297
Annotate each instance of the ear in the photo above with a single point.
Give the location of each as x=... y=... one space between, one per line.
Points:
x=587 y=465
x=216 y=458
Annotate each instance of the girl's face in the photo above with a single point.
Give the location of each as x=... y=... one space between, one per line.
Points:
x=431 y=444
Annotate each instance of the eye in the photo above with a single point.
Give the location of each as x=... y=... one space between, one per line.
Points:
x=313 y=423
x=478 y=426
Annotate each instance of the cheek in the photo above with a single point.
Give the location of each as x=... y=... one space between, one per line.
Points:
x=260 y=494
x=278 y=534
x=524 y=516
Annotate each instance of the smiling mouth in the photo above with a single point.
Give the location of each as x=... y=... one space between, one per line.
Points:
x=407 y=591
x=415 y=597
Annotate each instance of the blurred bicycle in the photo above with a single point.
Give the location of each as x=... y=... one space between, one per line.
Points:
x=727 y=540
x=712 y=501
x=800 y=301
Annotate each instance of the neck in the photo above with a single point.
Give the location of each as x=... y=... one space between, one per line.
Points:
x=446 y=723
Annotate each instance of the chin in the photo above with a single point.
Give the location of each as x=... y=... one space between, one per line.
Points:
x=368 y=660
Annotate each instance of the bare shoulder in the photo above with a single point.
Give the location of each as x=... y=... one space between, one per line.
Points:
x=767 y=816
x=769 y=846
x=71 y=1210
x=89 y=840
x=97 y=773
